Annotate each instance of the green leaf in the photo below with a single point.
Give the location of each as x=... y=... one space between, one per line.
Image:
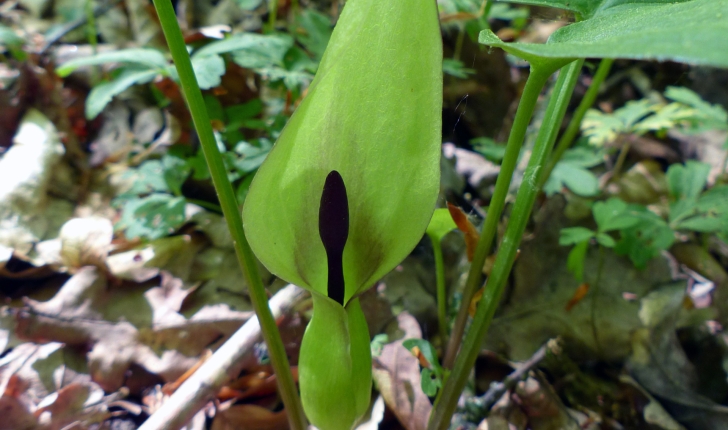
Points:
x=176 y=168
x=366 y=111
x=248 y=4
x=579 y=180
x=606 y=240
x=575 y=260
x=584 y=7
x=208 y=70
x=102 y=94
x=152 y=217
x=715 y=116
x=440 y=225
x=682 y=31
x=429 y=382
x=614 y=214
x=144 y=57
x=427 y=351
x=489 y=148
x=646 y=239
x=574 y=235
x=377 y=344
x=709 y=214
x=316 y=31
x=687 y=181
x=251 y=157
x=146 y=179
x=456 y=68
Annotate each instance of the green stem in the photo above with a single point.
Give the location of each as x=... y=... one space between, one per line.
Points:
x=594 y=296
x=272 y=15
x=231 y=212
x=572 y=130
x=534 y=85
x=441 y=290
x=529 y=189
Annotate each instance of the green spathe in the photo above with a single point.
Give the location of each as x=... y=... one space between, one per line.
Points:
x=373 y=116
x=335 y=365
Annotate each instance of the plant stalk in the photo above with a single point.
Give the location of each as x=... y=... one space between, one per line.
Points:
x=572 y=130
x=441 y=289
x=529 y=189
x=231 y=212
x=534 y=85
x=272 y=15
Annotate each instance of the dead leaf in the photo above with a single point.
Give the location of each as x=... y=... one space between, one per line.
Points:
x=249 y=417
x=464 y=225
x=397 y=375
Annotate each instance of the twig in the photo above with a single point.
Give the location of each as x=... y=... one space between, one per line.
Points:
x=497 y=389
x=222 y=367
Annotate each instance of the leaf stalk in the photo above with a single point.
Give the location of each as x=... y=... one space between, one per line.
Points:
x=231 y=212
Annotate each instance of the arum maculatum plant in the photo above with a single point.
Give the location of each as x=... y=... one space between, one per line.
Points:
x=349 y=188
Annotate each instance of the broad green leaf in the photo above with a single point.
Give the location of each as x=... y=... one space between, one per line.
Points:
x=575 y=260
x=251 y=157
x=102 y=94
x=145 y=57
x=152 y=217
x=440 y=225
x=613 y=214
x=574 y=235
x=683 y=31
x=248 y=4
x=316 y=31
x=576 y=178
x=145 y=179
x=714 y=116
x=687 y=181
x=708 y=214
x=645 y=239
x=429 y=382
x=606 y=240
x=489 y=148
x=372 y=114
x=208 y=70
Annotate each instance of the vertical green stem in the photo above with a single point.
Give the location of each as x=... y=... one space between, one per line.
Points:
x=529 y=189
x=441 y=290
x=536 y=81
x=272 y=15
x=230 y=210
x=594 y=297
x=572 y=130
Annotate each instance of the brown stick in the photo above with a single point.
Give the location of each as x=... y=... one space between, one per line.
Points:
x=221 y=368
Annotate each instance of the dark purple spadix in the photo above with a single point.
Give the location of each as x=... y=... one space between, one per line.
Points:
x=334 y=231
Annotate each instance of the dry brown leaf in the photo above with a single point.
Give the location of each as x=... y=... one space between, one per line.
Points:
x=471 y=233
x=397 y=375
x=249 y=417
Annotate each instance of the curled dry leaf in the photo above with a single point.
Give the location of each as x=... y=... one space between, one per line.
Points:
x=85 y=242
x=397 y=375
x=471 y=233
